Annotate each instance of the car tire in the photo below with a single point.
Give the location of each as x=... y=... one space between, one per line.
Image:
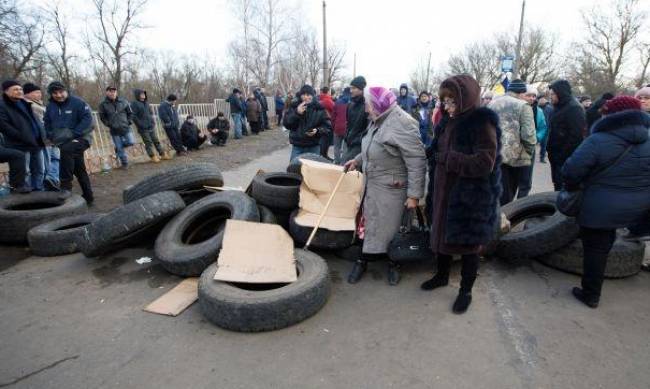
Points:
x=544 y=230
x=258 y=307
x=22 y=212
x=191 y=241
x=323 y=240
x=61 y=236
x=277 y=190
x=126 y=224
x=295 y=164
x=266 y=215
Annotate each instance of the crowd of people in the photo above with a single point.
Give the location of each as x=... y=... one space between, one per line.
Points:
x=479 y=150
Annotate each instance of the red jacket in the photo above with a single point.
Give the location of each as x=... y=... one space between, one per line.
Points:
x=327 y=103
x=340 y=119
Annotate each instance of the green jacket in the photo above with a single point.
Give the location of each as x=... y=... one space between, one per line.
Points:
x=517 y=124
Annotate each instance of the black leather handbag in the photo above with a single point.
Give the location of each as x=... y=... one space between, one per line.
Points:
x=569 y=202
x=411 y=243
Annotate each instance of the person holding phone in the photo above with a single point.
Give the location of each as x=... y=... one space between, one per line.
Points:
x=307 y=121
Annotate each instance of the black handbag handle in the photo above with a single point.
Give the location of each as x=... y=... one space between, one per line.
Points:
x=407 y=220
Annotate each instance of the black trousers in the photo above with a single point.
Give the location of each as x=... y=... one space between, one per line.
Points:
x=17 y=170
x=264 y=123
x=278 y=115
x=526 y=179
x=174 y=137
x=556 y=174
x=219 y=138
x=72 y=163
x=597 y=245
x=325 y=143
x=510 y=178
x=468 y=272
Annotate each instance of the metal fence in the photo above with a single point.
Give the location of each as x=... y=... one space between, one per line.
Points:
x=101 y=155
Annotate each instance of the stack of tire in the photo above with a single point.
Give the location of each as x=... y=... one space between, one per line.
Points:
x=540 y=232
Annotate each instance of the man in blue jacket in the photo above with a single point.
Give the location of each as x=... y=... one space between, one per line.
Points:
x=168 y=114
x=69 y=124
x=236 y=111
x=405 y=100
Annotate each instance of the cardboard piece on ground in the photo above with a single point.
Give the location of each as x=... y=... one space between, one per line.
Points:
x=177 y=299
x=256 y=253
x=318 y=181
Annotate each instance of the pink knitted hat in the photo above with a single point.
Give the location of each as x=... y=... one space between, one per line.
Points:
x=381 y=99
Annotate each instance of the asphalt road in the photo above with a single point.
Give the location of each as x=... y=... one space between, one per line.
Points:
x=71 y=322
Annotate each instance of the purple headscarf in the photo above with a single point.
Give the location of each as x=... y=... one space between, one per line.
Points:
x=381 y=99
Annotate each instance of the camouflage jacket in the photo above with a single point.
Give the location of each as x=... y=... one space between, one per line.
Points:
x=517 y=130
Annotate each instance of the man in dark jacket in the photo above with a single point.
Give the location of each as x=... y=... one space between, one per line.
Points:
x=219 y=128
x=16 y=160
x=168 y=115
x=23 y=131
x=115 y=113
x=69 y=124
x=405 y=100
x=593 y=113
x=566 y=126
x=144 y=122
x=357 y=118
x=279 y=107
x=236 y=111
x=306 y=121
x=191 y=135
x=325 y=99
x=422 y=112
x=264 y=104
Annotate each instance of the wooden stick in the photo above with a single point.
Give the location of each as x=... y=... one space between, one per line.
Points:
x=327 y=205
x=222 y=188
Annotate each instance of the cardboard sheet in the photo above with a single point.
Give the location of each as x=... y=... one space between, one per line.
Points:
x=177 y=299
x=318 y=181
x=256 y=253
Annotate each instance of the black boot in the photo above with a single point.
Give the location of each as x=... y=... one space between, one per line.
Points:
x=393 y=273
x=462 y=302
x=357 y=271
x=442 y=275
x=590 y=301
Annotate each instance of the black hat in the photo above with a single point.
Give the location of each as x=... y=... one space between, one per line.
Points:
x=55 y=86
x=30 y=87
x=307 y=90
x=517 y=86
x=235 y=90
x=8 y=84
x=358 y=82
x=172 y=97
x=110 y=87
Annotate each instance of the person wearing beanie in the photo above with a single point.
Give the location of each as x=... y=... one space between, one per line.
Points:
x=23 y=131
x=518 y=137
x=357 y=120
x=146 y=126
x=422 y=112
x=566 y=125
x=236 y=111
x=68 y=123
x=168 y=115
x=51 y=154
x=405 y=100
x=191 y=135
x=307 y=121
x=116 y=114
x=611 y=168
x=643 y=95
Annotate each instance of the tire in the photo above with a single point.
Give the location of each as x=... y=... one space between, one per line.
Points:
x=191 y=241
x=255 y=307
x=60 y=237
x=188 y=180
x=266 y=215
x=323 y=240
x=20 y=213
x=545 y=231
x=294 y=165
x=624 y=260
x=277 y=190
x=127 y=223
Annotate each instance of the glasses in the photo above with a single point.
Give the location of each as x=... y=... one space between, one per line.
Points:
x=449 y=102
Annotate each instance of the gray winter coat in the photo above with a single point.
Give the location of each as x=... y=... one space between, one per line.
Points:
x=394 y=166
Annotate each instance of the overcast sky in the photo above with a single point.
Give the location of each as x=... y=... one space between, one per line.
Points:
x=389 y=36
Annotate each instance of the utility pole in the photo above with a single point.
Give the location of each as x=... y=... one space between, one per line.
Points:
x=515 y=65
x=426 y=83
x=354 y=66
x=325 y=80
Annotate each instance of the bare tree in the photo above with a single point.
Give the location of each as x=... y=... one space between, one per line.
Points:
x=22 y=37
x=107 y=42
x=335 y=62
x=61 y=58
x=610 y=34
x=480 y=60
x=644 y=53
x=537 y=56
